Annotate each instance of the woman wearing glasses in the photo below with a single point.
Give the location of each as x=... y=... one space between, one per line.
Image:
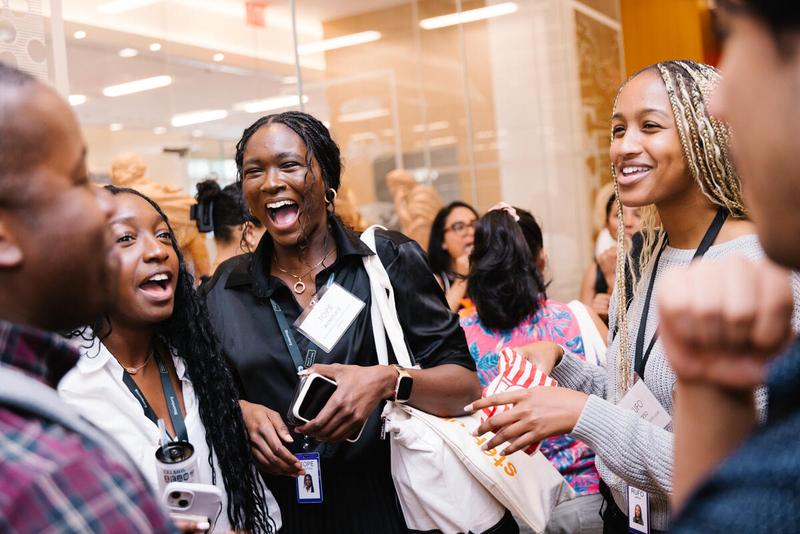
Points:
x=452 y=235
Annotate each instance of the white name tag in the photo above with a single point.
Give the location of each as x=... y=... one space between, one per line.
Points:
x=330 y=316
x=641 y=401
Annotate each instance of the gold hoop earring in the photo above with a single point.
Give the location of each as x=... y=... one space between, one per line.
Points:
x=330 y=196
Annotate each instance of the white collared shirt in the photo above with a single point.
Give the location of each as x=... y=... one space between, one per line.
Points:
x=95 y=389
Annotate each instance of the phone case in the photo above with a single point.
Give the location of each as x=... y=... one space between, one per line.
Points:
x=293 y=418
x=190 y=499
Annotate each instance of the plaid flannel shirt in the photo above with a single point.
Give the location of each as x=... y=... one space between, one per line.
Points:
x=51 y=479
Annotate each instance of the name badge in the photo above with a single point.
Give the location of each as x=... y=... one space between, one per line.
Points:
x=641 y=401
x=638 y=510
x=309 y=486
x=329 y=316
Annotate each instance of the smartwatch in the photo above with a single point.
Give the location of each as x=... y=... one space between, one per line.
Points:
x=402 y=389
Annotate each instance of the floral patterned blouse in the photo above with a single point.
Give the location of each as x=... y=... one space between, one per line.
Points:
x=553 y=321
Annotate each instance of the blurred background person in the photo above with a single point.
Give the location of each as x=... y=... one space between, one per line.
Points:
x=449 y=246
x=224 y=212
x=598 y=279
x=512 y=310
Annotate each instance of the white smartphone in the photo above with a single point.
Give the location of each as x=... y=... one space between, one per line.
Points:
x=194 y=502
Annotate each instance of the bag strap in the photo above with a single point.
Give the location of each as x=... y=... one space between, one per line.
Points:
x=383 y=309
x=594 y=347
x=27 y=394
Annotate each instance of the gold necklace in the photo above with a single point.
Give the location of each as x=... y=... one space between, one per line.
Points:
x=299 y=286
x=134 y=370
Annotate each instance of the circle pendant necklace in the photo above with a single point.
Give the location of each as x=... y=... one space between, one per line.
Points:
x=299 y=286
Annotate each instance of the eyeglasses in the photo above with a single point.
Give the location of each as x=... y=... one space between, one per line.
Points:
x=461 y=228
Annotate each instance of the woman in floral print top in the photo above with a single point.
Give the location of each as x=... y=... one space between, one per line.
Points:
x=512 y=310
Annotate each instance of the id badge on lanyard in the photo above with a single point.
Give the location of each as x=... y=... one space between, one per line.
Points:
x=309 y=485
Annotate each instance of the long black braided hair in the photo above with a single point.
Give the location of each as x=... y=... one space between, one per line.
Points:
x=189 y=332
x=319 y=145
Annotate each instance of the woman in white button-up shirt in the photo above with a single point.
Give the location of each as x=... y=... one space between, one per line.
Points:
x=159 y=318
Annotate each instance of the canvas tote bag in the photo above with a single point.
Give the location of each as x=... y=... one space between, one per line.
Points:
x=443 y=479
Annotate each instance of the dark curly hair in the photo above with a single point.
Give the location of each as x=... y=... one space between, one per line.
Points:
x=781 y=17
x=504 y=281
x=189 y=332
x=226 y=207
x=438 y=257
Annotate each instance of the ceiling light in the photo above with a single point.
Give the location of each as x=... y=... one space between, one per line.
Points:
x=155 y=47
x=80 y=34
x=128 y=52
x=339 y=42
x=196 y=117
x=138 y=86
x=159 y=130
x=120 y=6
x=431 y=126
x=269 y=104
x=115 y=127
x=77 y=100
x=471 y=15
x=363 y=115
x=219 y=56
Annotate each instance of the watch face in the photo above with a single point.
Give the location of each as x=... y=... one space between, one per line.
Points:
x=404 y=388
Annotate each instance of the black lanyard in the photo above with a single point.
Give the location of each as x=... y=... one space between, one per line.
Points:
x=641 y=356
x=173 y=406
x=288 y=337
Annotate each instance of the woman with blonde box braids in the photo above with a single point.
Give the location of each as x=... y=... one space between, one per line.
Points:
x=669 y=157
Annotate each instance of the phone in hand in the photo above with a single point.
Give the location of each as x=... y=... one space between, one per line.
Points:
x=188 y=501
x=311 y=395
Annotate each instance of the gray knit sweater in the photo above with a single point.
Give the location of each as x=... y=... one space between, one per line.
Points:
x=630 y=450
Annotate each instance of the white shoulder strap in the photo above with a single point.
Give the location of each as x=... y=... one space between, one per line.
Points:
x=594 y=346
x=383 y=311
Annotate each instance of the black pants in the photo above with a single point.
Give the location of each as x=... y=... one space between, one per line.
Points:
x=615 y=521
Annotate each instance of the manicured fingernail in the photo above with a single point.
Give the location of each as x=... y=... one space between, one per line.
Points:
x=203 y=525
x=468 y=408
x=475 y=433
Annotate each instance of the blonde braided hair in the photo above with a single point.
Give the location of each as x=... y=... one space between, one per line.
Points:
x=704 y=141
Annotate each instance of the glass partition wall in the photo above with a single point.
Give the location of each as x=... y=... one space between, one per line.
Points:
x=430 y=100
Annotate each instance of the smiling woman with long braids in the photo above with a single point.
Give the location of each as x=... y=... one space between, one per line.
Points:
x=160 y=322
x=290 y=170
x=670 y=157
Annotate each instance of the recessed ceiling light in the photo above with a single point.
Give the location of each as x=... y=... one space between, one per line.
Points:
x=128 y=52
x=197 y=133
x=155 y=47
x=269 y=104
x=80 y=34
x=339 y=42
x=115 y=127
x=196 y=117
x=77 y=100
x=219 y=56
x=119 y=6
x=367 y=114
x=137 y=86
x=159 y=130
x=470 y=15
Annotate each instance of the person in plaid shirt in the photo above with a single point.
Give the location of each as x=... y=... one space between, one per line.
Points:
x=55 y=273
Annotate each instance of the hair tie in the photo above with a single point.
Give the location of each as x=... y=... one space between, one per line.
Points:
x=203 y=214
